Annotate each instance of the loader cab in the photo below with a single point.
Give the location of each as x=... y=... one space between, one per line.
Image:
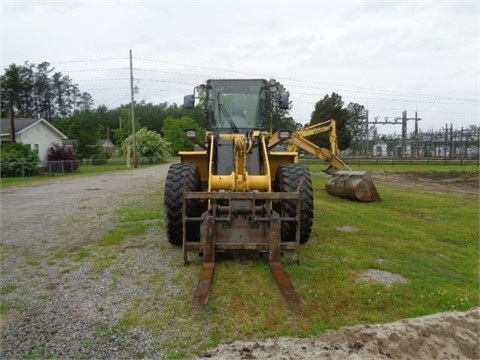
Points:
x=234 y=106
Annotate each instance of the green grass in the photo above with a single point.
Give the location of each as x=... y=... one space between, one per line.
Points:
x=7 y=289
x=432 y=240
x=429 y=239
x=132 y=222
x=117 y=235
x=423 y=167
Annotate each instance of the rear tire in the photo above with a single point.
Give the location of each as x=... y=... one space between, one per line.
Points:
x=287 y=179
x=180 y=174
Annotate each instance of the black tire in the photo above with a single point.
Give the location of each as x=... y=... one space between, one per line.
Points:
x=287 y=179
x=180 y=174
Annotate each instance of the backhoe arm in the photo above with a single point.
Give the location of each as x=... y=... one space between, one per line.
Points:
x=335 y=163
x=326 y=126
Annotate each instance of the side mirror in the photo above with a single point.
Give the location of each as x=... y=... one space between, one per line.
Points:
x=283 y=102
x=189 y=101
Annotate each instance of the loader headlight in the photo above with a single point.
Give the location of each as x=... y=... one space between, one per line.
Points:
x=284 y=134
x=190 y=133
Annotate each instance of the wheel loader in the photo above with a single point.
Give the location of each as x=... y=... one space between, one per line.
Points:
x=242 y=189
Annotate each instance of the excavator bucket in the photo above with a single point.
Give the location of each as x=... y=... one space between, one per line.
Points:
x=352 y=185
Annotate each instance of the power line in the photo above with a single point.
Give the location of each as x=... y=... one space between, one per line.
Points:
x=107 y=88
x=120 y=99
x=104 y=79
x=171 y=72
x=95 y=70
x=405 y=95
x=434 y=99
x=88 y=60
x=386 y=99
x=346 y=88
x=358 y=89
x=167 y=81
x=364 y=89
x=292 y=83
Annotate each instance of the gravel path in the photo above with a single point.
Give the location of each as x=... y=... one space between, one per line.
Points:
x=57 y=306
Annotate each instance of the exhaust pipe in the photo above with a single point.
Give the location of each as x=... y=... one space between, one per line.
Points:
x=353 y=185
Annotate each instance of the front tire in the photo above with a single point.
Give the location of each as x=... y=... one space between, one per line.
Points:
x=287 y=179
x=180 y=175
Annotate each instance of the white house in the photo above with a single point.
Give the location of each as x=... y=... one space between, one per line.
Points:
x=38 y=133
x=107 y=146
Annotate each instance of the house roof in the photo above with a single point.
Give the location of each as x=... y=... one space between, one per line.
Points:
x=105 y=142
x=22 y=124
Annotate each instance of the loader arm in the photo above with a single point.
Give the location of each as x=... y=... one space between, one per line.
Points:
x=326 y=126
x=335 y=163
x=298 y=141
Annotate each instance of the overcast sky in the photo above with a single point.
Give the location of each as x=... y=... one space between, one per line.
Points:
x=389 y=56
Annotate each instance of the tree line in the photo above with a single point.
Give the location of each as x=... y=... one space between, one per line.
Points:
x=37 y=91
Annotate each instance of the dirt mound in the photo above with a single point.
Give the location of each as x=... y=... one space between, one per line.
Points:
x=450 y=335
x=467 y=184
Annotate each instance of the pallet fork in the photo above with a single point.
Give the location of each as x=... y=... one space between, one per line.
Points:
x=242 y=221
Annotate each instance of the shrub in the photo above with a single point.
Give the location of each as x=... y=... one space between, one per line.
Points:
x=61 y=159
x=18 y=160
x=150 y=144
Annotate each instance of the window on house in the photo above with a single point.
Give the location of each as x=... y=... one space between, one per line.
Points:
x=35 y=148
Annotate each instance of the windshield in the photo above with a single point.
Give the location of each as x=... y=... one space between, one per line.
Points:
x=237 y=104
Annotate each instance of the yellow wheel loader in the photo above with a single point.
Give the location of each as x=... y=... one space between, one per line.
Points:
x=243 y=189
x=239 y=191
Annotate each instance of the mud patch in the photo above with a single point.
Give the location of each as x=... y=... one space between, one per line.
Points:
x=467 y=184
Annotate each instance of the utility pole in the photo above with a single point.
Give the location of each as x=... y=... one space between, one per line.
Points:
x=366 y=134
x=134 y=142
x=404 y=134
x=445 y=145
x=452 y=149
x=416 y=138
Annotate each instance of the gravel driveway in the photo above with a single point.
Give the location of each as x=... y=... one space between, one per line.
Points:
x=53 y=304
